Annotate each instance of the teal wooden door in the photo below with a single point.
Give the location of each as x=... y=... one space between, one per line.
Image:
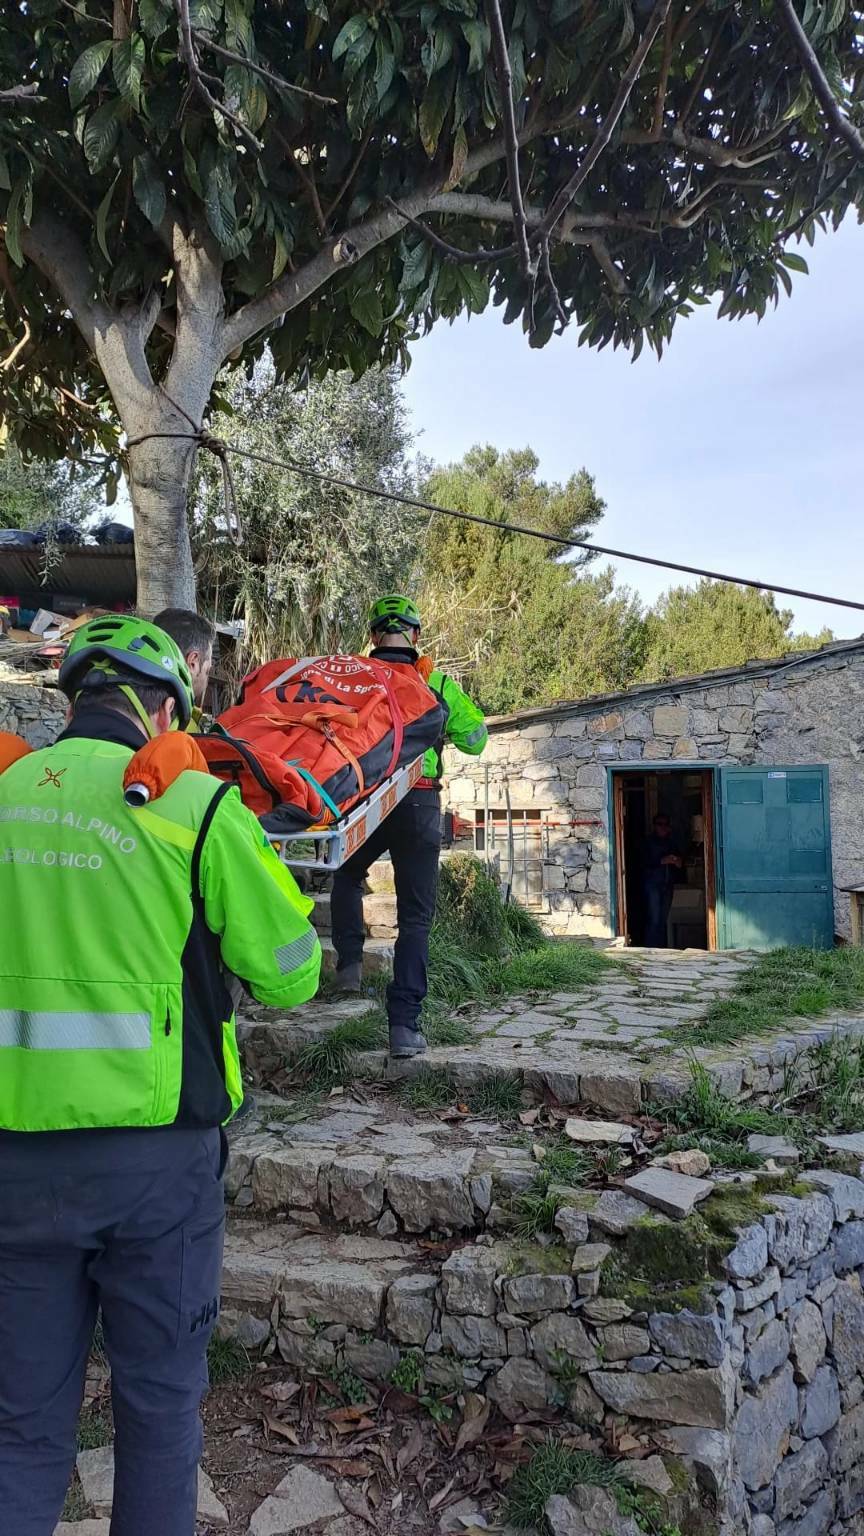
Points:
x=775 y=858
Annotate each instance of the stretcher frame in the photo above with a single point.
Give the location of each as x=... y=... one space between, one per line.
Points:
x=331 y=846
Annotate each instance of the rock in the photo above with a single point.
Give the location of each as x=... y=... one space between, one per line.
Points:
x=290 y=1178
x=845 y=1443
x=756 y=1295
x=307 y=1351
x=588 y=1512
x=808 y=1341
x=481 y=1192
x=473 y=1337
x=853 y=1144
x=410 y=1309
x=816 y=1521
x=669 y=1192
x=562 y=1335
x=750 y=1255
x=458 y=1518
x=388 y=1226
x=521 y=1385
x=532 y=1295
x=651 y=1474
x=617 y=1092
x=762 y=1525
x=357 y=1189
x=588 y=1257
x=691 y=1335
x=302 y=1498
x=848 y=1330
x=602 y=1132
x=334 y=1291
x=622 y=1341
x=583 y=1404
x=798 y=1478
x=767 y=1353
x=588 y=1284
x=777 y=1148
x=798 y=1229
x=849 y=1247
x=708 y=1453
x=572 y=1224
x=691 y=1162
x=250 y=1331
x=83 y=1528
x=606 y=1309
x=615 y=1213
x=96 y=1472
x=468 y=1282
x=821 y=1404
x=696 y=1397
x=671 y=720
x=764 y=1424
x=846 y=1194
x=432 y=1192
x=373 y=1360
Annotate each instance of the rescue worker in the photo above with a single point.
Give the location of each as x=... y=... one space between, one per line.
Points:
x=411 y=834
x=196 y=638
x=118 y=1070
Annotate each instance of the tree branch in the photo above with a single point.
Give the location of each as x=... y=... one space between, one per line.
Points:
x=604 y=133
x=546 y=264
x=474 y=205
x=742 y=157
x=22 y=93
x=478 y=256
x=614 y=276
x=837 y=119
x=55 y=249
x=203 y=41
x=669 y=39
x=349 y=176
x=307 y=179
x=198 y=78
x=500 y=53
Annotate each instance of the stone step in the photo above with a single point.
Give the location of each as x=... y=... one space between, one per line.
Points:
x=377 y=956
x=379 y=913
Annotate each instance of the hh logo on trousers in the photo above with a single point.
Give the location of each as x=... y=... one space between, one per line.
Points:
x=208 y=1314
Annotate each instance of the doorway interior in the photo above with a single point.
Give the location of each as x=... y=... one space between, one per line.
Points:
x=686 y=796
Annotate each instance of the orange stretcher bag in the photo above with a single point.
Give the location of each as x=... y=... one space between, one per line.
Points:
x=308 y=739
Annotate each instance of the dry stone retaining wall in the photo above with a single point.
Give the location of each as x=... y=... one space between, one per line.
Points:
x=31 y=708
x=797 y=713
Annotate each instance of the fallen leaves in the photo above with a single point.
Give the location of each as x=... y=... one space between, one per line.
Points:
x=475 y=1419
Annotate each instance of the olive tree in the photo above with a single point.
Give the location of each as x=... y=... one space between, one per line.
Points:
x=185 y=181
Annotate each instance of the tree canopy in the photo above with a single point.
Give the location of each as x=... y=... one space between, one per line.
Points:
x=692 y=629
x=519 y=624
x=35 y=494
x=313 y=557
x=180 y=179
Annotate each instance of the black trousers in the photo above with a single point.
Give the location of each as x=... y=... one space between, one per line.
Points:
x=412 y=836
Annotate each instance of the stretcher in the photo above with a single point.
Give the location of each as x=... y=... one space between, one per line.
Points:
x=322 y=850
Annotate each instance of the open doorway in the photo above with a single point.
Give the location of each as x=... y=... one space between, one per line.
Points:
x=655 y=810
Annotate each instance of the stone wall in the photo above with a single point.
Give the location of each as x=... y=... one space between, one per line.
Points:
x=30 y=707
x=809 y=712
x=753 y=1384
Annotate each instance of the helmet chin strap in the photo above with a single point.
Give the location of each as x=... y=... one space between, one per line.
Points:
x=144 y=718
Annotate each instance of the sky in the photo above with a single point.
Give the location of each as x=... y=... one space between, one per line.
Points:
x=741 y=450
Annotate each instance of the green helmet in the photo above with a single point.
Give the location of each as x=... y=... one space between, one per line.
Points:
x=119 y=649
x=393 y=615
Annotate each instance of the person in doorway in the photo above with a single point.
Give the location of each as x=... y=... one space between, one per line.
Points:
x=196 y=638
x=662 y=860
x=411 y=834
x=118 y=1070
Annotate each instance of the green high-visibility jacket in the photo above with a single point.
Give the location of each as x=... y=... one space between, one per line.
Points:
x=464 y=726
x=116 y=925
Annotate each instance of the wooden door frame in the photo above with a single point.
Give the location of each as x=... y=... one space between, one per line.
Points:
x=618 y=872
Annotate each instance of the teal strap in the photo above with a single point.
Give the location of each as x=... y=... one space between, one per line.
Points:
x=305 y=774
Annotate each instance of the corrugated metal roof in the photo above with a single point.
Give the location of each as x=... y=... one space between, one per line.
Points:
x=98 y=574
x=674 y=685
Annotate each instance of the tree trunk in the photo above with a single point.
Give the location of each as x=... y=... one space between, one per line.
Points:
x=159 y=474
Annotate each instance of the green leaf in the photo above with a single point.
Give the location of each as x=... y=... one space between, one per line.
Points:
x=102 y=219
x=204 y=14
x=248 y=92
x=5 y=182
x=238 y=26
x=128 y=65
x=475 y=288
x=280 y=255
x=385 y=67
x=221 y=209
x=366 y=308
x=460 y=155
x=18 y=214
x=434 y=107
x=111 y=486
x=100 y=135
x=415 y=265
x=794 y=261
x=349 y=35
x=153 y=16
x=148 y=189
x=86 y=71
x=476 y=34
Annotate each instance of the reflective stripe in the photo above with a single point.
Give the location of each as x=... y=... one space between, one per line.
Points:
x=289 y=956
x=74 y=1031
x=479 y=735
x=168 y=831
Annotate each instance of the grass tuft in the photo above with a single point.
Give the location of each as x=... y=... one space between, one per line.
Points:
x=558 y=967
x=328 y=1060
x=227 y=1360
x=443 y=1029
x=429 y=1089
x=499 y=1095
x=555 y=1469
x=785 y=984
x=94 y=1428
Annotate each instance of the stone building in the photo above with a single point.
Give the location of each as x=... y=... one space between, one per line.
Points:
x=760 y=768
